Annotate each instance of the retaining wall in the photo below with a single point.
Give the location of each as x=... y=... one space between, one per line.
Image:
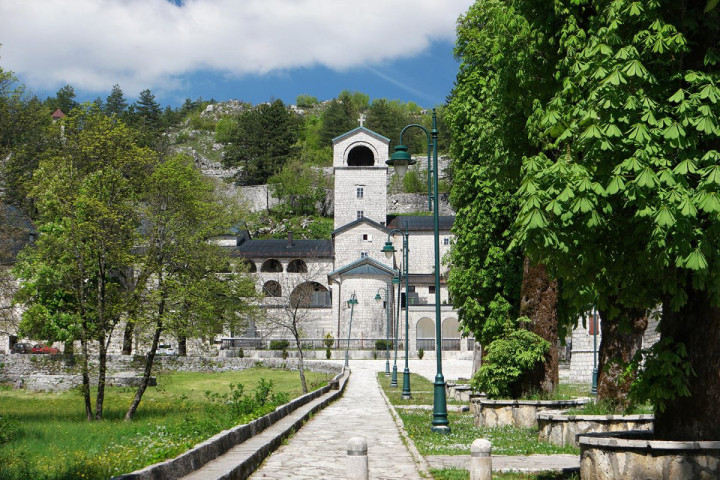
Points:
x=560 y=429
x=520 y=413
x=608 y=456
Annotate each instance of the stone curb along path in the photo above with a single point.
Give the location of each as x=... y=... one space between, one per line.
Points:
x=236 y=453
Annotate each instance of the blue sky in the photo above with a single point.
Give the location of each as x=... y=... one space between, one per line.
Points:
x=251 y=50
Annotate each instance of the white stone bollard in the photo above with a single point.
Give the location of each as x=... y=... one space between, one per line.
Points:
x=480 y=460
x=357 y=460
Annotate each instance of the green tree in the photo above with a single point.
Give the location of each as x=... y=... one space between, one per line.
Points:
x=502 y=72
x=306 y=101
x=300 y=187
x=262 y=142
x=180 y=289
x=115 y=104
x=146 y=117
x=340 y=116
x=64 y=100
x=388 y=119
x=622 y=199
x=85 y=190
x=22 y=139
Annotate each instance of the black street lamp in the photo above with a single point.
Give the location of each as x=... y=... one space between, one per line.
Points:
x=350 y=303
x=396 y=327
x=378 y=298
x=400 y=160
x=389 y=250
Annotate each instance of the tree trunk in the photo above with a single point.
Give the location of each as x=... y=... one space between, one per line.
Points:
x=539 y=295
x=146 y=374
x=182 y=346
x=128 y=337
x=102 y=371
x=86 y=381
x=301 y=364
x=697 y=326
x=621 y=340
x=477 y=358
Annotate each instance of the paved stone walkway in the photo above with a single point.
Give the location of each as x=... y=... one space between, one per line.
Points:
x=319 y=449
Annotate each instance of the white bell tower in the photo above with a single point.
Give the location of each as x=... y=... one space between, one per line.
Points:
x=360 y=176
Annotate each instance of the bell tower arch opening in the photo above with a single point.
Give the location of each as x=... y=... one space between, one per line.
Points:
x=361 y=156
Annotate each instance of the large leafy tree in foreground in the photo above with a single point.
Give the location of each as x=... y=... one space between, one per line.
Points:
x=505 y=66
x=84 y=190
x=179 y=289
x=624 y=197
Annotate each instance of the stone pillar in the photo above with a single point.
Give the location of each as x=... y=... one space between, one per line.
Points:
x=357 y=460
x=480 y=460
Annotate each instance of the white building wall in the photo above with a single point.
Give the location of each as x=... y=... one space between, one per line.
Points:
x=351 y=243
x=373 y=203
x=369 y=316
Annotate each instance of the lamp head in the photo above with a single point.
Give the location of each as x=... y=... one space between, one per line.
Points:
x=396 y=280
x=388 y=249
x=400 y=160
x=378 y=297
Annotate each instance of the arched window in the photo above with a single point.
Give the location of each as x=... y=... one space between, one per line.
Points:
x=249 y=266
x=451 y=334
x=272 y=289
x=271 y=265
x=310 y=294
x=425 y=333
x=297 y=266
x=361 y=156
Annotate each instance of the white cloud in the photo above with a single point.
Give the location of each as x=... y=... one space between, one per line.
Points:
x=93 y=44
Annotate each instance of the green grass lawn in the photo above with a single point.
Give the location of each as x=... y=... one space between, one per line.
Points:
x=45 y=435
x=420 y=387
x=505 y=440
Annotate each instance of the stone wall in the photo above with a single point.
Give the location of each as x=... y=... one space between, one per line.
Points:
x=520 y=413
x=561 y=429
x=60 y=372
x=608 y=456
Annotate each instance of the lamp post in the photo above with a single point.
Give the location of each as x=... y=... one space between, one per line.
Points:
x=400 y=160
x=396 y=327
x=389 y=250
x=595 y=370
x=350 y=303
x=378 y=298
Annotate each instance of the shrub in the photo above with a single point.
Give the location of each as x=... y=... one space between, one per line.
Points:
x=329 y=340
x=224 y=130
x=8 y=430
x=200 y=122
x=507 y=359
x=279 y=344
x=421 y=354
x=383 y=344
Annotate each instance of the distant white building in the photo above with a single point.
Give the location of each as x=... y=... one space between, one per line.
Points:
x=352 y=262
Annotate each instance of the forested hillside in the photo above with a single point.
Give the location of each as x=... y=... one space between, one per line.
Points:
x=240 y=145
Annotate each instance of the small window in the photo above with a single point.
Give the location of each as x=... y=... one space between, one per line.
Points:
x=363 y=254
x=411 y=288
x=431 y=289
x=446 y=241
x=360 y=214
x=360 y=192
x=367 y=237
